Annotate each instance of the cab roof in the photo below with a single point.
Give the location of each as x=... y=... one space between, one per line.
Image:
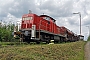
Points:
x=47 y=16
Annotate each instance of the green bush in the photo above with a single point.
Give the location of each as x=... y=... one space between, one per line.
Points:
x=6 y=34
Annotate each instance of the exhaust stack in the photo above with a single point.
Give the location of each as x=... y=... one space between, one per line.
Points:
x=30 y=11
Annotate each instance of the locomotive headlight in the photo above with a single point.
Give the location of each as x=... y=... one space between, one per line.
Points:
x=26 y=33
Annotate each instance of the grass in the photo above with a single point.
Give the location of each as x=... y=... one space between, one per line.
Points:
x=88 y=38
x=64 y=51
x=12 y=43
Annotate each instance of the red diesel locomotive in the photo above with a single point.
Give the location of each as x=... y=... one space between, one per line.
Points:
x=43 y=28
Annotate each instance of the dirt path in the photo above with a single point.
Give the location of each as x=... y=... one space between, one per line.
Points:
x=87 y=51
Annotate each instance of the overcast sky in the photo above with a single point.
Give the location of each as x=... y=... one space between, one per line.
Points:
x=61 y=10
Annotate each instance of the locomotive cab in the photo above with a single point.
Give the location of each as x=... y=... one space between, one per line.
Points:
x=48 y=18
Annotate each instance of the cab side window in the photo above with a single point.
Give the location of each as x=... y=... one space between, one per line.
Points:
x=46 y=18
